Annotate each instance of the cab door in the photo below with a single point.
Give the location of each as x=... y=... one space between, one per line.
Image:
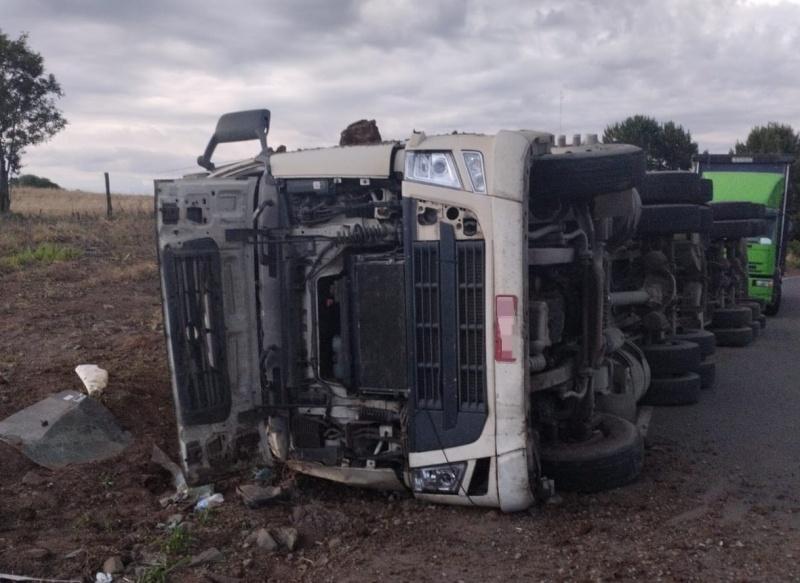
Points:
x=208 y=282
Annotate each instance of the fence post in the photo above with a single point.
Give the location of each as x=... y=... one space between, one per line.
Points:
x=108 y=196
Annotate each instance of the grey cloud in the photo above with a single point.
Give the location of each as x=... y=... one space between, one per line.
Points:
x=145 y=81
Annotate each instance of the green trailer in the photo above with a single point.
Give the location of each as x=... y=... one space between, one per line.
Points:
x=762 y=179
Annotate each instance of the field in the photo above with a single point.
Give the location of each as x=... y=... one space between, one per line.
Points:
x=76 y=288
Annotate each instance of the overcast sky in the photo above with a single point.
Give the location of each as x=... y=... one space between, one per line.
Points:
x=145 y=80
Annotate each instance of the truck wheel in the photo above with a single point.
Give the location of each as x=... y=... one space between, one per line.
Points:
x=734 y=336
x=706 y=218
x=707 y=371
x=672 y=357
x=703 y=338
x=587 y=171
x=706 y=190
x=773 y=307
x=673 y=187
x=738 y=229
x=756 y=329
x=681 y=389
x=733 y=211
x=755 y=307
x=762 y=319
x=612 y=457
x=667 y=219
x=735 y=317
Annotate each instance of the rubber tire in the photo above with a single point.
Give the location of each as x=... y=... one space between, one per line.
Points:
x=755 y=307
x=667 y=219
x=706 y=189
x=703 y=338
x=733 y=211
x=735 y=317
x=775 y=305
x=762 y=319
x=756 y=329
x=736 y=337
x=673 y=390
x=706 y=219
x=739 y=229
x=759 y=228
x=672 y=357
x=594 y=466
x=707 y=371
x=582 y=172
x=673 y=187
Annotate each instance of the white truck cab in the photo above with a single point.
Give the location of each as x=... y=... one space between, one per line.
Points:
x=367 y=314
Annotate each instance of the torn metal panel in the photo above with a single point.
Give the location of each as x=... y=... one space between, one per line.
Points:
x=65 y=428
x=374 y=478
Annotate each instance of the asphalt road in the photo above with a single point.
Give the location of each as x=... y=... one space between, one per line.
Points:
x=745 y=433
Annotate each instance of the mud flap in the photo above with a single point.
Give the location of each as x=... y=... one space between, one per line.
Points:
x=208 y=282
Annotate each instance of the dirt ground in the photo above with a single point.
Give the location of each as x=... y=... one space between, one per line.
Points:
x=678 y=523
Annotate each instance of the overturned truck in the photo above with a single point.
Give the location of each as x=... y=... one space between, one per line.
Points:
x=429 y=314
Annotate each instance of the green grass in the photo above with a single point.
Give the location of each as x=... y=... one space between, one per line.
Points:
x=175 y=548
x=160 y=573
x=43 y=254
x=177 y=543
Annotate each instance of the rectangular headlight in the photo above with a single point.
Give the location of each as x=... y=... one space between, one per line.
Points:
x=474 y=163
x=438 y=168
x=443 y=479
x=762 y=282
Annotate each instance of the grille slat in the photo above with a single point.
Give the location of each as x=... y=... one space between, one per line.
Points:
x=426 y=295
x=472 y=326
x=196 y=337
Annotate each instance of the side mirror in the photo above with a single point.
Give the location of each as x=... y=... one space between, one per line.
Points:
x=238 y=126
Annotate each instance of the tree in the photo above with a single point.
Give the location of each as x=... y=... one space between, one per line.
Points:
x=33 y=181
x=667 y=145
x=28 y=114
x=773 y=138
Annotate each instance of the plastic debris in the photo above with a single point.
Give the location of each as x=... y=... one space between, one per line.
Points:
x=257 y=496
x=262 y=474
x=94 y=378
x=207 y=502
x=103 y=578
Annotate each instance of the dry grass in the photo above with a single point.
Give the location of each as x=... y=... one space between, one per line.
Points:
x=71 y=226
x=50 y=202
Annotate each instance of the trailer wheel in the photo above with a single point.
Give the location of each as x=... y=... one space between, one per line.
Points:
x=587 y=171
x=667 y=219
x=734 y=336
x=612 y=457
x=754 y=306
x=672 y=357
x=703 y=338
x=733 y=211
x=775 y=305
x=671 y=390
x=674 y=187
x=707 y=371
x=731 y=229
x=734 y=317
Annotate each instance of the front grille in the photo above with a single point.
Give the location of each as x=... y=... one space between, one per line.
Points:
x=471 y=326
x=427 y=325
x=469 y=320
x=194 y=287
